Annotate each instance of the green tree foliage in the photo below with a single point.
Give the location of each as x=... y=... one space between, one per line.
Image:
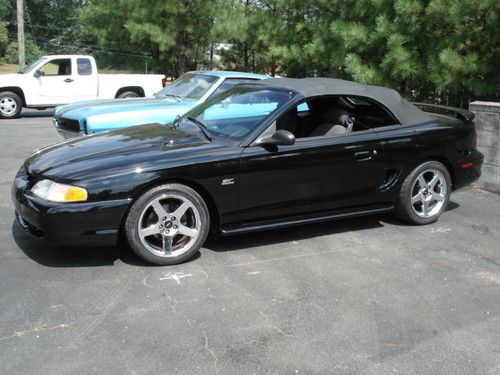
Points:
x=5 y=17
x=432 y=50
x=437 y=50
x=175 y=33
x=32 y=52
x=4 y=37
x=50 y=26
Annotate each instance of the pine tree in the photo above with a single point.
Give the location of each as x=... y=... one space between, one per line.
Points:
x=175 y=33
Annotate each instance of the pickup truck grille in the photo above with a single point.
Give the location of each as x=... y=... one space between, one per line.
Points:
x=67 y=124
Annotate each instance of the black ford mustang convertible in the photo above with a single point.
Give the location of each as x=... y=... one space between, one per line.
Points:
x=262 y=155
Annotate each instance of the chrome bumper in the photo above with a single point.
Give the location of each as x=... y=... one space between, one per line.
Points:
x=67 y=134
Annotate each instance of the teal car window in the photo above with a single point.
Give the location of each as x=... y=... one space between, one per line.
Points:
x=238 y=111
x=189 y=86
x=304 y=107
x=230 y=82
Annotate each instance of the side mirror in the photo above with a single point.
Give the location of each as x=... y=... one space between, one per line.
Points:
x=37 y=73
x=278 y=138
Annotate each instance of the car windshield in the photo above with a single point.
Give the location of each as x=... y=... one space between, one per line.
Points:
x=30 y=67
x=190 y=86
x=236 y=112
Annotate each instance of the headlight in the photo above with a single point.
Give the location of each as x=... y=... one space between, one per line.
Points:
x=55 y=192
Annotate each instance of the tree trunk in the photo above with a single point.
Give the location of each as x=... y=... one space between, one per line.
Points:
x=211 y=55
x=245 y=56
x=181 y=52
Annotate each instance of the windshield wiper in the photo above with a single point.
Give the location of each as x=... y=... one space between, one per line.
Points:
x=176 y=97
x=176 y=122
x=202 y=127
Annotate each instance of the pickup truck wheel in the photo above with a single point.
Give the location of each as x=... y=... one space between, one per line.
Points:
x=10 y=105
x=424 y=194
x=128 y=94
x=167 y=224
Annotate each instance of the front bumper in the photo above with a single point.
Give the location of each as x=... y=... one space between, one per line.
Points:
x=67 y=134
x=68 y=128
x=72 y=224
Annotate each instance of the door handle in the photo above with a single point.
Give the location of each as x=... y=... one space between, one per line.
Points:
x=364 y=155
x=68 y=80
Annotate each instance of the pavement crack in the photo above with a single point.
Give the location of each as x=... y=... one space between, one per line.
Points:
x=275 y=327
x=39 y=328
x=206 y=346
x=172 y=302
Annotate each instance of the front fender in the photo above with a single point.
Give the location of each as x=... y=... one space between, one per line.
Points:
x=16 y=89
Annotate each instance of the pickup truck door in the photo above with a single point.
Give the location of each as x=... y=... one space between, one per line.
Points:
x=55 y=84
x=85 y=82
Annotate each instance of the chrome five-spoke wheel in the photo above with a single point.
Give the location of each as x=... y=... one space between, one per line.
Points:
x=429 y=193
x=424 y=193
x=167 y=224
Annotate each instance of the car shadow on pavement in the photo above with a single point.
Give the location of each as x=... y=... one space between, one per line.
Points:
x=393 y=220
x=72 y=256
x=295 y=233
x=303 y=232
x=36 y=113
x=60 y=256
x=75 y=256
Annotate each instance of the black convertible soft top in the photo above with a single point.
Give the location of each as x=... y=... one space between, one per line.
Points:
x=404 y=111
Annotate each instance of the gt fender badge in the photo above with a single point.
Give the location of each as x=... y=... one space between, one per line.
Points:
x=227 y=181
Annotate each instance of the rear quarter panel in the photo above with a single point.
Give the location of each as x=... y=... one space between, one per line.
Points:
x=405 y=147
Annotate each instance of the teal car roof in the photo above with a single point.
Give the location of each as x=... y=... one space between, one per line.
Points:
x=217 y=73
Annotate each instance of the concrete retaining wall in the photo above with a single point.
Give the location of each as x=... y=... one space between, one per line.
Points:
x=488 y=138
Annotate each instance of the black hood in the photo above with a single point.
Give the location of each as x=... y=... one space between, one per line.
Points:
x=110 y=151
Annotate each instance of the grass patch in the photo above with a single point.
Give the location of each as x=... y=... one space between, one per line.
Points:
x=8 y=68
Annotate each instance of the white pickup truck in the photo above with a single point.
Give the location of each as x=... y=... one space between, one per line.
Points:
x=60 y=79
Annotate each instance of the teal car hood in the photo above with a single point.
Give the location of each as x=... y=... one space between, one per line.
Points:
x=100 y=115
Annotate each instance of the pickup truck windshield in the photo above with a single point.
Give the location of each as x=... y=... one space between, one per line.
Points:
x=30 y=67
x=188 y=86
x=236 y=112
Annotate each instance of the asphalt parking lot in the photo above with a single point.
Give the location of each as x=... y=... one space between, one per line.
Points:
x=368 y=295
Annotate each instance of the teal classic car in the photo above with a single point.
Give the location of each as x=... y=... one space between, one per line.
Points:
x=186 y=92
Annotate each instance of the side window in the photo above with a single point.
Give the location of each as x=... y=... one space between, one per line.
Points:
x=84 y=67
x=334 y=116
x=230 y=82
x=369 y=113
x=304 y=107
x=57 y=67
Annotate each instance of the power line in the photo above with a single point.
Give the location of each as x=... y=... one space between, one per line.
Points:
x=50 y=42
x=49 y=27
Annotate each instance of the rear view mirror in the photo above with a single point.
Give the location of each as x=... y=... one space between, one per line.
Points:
x=278 y=138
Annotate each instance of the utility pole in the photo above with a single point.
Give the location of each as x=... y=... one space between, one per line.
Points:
x=20 y=33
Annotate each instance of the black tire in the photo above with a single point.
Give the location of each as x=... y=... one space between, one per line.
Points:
x=414 y=213
x=144 y=247
x=128 y=94
x=9 y=100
